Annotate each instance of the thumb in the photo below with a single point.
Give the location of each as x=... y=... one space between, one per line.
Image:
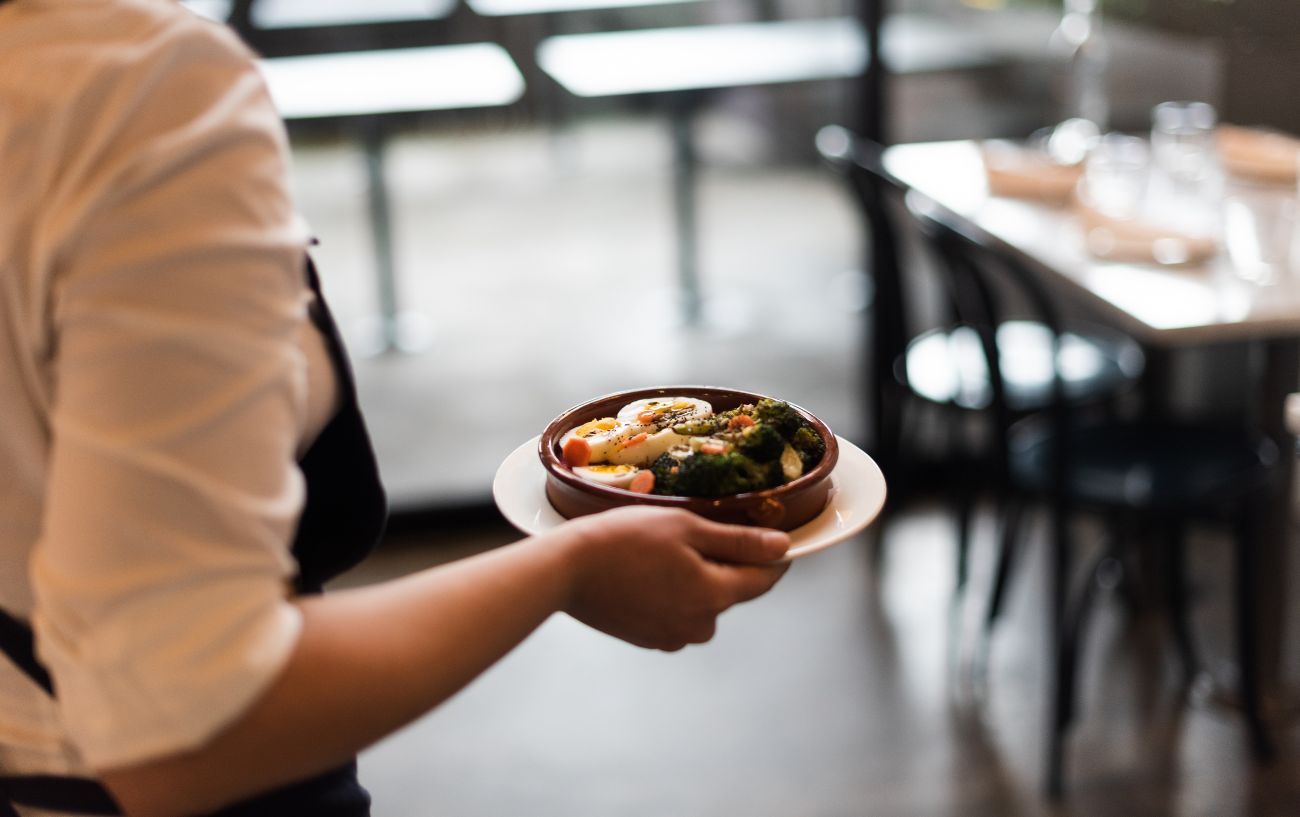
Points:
x=738 y=543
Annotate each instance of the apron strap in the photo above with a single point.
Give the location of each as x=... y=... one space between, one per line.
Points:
x=17 y=642
x=50 y=792
x=53 y=793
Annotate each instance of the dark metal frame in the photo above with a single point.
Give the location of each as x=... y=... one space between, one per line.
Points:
x=969 y=261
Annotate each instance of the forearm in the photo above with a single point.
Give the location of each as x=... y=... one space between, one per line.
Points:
x=371 y=660
x=368 y=661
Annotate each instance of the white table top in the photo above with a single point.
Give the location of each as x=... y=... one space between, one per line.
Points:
x=270 y=14
x=431 y=78
x=1167 y=306
x=508 y=8
x=737 y=54
x=707 y=56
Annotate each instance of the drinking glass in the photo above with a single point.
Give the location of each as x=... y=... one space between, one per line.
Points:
x=1115 y=175
x=1259 y=230
x=1182 y=140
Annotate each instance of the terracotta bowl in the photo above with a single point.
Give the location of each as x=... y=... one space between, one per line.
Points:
x=785 y=507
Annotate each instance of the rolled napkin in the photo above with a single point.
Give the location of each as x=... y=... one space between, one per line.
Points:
x=1259 y=154
x=1136 y=241
x=1025 y=173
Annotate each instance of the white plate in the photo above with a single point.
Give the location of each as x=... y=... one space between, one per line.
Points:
x=856 y=497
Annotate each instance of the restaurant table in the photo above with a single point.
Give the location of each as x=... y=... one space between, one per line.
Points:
x=369 y=63
x=371 y=88
x=274 y=14
x=680 y=64
x=1168 y=309
x=510 y=8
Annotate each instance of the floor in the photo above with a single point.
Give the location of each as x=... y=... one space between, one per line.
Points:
x=845 y=691
x=544 y=263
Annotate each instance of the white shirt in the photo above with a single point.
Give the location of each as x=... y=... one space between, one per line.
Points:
x=158 y=378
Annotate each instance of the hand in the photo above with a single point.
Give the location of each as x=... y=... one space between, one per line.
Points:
x=659 y=577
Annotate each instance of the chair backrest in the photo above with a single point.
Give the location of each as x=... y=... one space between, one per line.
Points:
x=858 y=161
x=977 y=273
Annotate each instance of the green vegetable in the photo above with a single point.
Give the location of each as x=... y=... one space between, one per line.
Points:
x=810 y=445
x=779 y=444
x=665 y=470
x=723 y=475
x=781 y=416
x=703 y=427
x=760 y=442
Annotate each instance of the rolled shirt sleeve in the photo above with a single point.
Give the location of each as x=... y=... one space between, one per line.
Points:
x=160 y=577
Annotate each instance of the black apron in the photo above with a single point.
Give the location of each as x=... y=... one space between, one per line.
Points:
x=342 y=520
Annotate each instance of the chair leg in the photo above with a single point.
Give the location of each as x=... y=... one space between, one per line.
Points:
x=1128 y=591
x=1247 y=656
x=1009 y=514
x=965 y=511
x=1062 y=683
x=888 y=439
x=1105 y=574
x=1011 y=517
x=960 y=449
x=1175 y=570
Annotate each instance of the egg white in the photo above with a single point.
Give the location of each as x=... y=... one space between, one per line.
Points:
x=668 y=410
x=615 y=476
x=648 y=450
x=604 y=435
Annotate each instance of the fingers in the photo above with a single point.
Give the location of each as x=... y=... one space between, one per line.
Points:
x=738 y=544
x=739 y=583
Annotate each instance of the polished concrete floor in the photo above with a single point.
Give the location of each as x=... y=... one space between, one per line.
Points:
x=845 y=691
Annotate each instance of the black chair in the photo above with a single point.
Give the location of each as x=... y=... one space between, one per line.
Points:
x=1155 y=475
x=944 y=367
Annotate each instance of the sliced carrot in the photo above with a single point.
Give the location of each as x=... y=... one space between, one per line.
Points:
x=712 y=448
x=577 y=452
x=643 y=482
x=740 y=421
x=634 y=440
x=646 y=417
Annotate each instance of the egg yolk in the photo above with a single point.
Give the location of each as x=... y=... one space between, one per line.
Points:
x=596 y=427
x=612 y=470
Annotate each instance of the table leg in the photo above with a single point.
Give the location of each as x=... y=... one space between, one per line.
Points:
x=391 y=329
x=685 y=162
x=1280 y=377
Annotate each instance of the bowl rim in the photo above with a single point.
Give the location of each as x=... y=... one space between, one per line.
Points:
x=570 y=418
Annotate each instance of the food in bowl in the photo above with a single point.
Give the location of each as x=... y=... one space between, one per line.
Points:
x=678 y=446
x=730 y=455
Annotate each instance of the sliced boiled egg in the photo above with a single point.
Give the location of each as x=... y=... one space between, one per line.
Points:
x=615 y=476
x=602 y=436
x=664 y=411
x=646 y=447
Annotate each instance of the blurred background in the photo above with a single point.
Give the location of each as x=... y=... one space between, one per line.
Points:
x=524 y=211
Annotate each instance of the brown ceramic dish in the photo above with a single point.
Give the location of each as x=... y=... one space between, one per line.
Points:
x=785 y=507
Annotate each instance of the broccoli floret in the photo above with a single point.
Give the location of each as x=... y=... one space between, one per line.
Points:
x=810 y=445
x=665 y=470
x=760 y=442
x=702 y=427
x=724 y=474
x=714 y=423
x=781 y=416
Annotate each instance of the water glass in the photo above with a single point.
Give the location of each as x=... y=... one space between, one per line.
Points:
x=1115 y=175
x=1182 y=140
x=1260 y=230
